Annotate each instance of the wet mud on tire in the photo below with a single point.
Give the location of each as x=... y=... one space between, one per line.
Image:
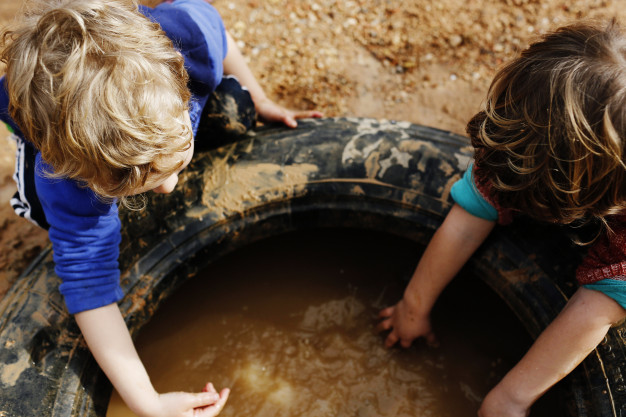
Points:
x=357 y=173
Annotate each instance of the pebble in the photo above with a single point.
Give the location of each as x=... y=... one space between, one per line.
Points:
x=455 y=40
x=468 y=39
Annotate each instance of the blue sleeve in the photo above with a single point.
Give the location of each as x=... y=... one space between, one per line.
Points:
x=614 y=288
x=4 y=108
x=197 y=31
x=85 y=236
x=466 y=195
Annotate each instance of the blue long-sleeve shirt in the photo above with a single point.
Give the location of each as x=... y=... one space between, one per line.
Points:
x=85 y=231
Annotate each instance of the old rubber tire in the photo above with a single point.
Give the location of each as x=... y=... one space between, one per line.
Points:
x=360 y=173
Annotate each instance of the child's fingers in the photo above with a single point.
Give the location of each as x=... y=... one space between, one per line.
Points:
x=209 y=388
x=290 y=121
x=272 y=112
x=386 y=312
x=384 y=325
x=202 y=399
x=290 y=117
x=219 y=405
x=307 y=114
x=279 y=114
x=391 y=340
x=224 y=394
x=406 y=343
x=214 y=409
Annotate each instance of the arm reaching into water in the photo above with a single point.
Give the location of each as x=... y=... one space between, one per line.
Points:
x=564 y=344
x=451 y=246
x=575 y=332
x=110 y=343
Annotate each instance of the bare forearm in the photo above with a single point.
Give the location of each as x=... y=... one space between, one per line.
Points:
x=452 y=245
x=110 y=343
x=235 y=64
x=454 y=242
x=564 y=344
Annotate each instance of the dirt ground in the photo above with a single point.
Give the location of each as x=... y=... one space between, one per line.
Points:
x=427 y=62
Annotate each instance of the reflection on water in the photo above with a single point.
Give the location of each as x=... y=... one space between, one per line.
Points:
x=289 y=325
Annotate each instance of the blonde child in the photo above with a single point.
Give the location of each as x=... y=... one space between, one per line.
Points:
x=550 y=143
x=104 y=98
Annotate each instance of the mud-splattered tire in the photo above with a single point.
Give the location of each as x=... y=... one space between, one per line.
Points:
x=361 y=173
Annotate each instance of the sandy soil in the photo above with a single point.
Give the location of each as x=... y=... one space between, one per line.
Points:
x=427 y=62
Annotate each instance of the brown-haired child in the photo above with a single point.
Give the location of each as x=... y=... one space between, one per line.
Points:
x=550 y=143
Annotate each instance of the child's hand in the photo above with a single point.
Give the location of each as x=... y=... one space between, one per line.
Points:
x=208 y=403
x=406 y=325
x=498 y=403
x=269 y=111
x=214 y=409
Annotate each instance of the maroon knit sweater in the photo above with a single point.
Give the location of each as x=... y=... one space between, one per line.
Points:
x=607 y=257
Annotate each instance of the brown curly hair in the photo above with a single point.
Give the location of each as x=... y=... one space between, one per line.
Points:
x=551 y=136
x=99 y=90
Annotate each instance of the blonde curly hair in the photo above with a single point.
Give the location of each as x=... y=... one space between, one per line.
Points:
x=99 y=90
x=551 y=138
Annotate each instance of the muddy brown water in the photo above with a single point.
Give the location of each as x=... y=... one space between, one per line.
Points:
x=289 y=325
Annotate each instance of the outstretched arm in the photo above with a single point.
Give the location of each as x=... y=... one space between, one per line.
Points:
x=235 y=64
x=110 y=343
x=451 y=246
x=564 y=344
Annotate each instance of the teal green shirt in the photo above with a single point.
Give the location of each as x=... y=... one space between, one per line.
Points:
x=466 y=195
x=614 y=288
